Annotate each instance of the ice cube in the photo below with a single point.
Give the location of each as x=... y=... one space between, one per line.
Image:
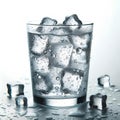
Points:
x=61 y=54
x=47 y=25
x=71 y=81
x=39 y=44
x=78 y=59
x=74 y=21
x=58 y=39
x=54 y=75
x=40 y=83
x=83 y=87
x=40 y=64
x=85 y=28
x=59 y=35
x=98 y=101
x=15 y=89
x=21 y=101
x=60 y=31
x=104 y=81
x=81 y=41
x=48 y=21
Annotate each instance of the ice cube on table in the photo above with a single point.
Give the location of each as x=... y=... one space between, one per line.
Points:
x=15 y=89
x=71 y=81
x=21 y=101
x=47 y=25
x=104 y=81
x=61 y=54
x=78 y=59
x=98 y=101
x=40 y=64
x=40 y=83
x=81 y=41
x=74 y=21
x=38 y=44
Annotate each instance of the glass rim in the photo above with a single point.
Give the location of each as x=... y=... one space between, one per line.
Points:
x=57 y=25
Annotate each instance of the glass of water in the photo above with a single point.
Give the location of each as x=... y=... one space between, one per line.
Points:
x=59 y=60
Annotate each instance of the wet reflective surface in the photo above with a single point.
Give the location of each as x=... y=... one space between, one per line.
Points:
x=9 y=110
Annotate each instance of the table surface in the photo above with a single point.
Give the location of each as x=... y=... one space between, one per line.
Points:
x=9 y=111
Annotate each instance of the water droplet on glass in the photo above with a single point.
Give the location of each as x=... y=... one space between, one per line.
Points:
x=45 y=52
x=39 y=77
x=57 y=78
x=53 y=55
x=79 y=50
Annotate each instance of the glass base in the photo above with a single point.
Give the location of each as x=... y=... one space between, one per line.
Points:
x=66 y=102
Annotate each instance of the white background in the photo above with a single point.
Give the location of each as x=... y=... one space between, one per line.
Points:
x=105 y=14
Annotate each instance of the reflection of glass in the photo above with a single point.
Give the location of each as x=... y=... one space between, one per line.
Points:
x=59 y=60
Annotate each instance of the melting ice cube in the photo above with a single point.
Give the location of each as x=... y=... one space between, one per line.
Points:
x=59 y=35
x=21 y=101
x=41 y=83
x=61 y=54
x=73 y=20
x=55 y=75
x=71 y=81
x=15 y=89
x=104 y=81
x=85 y=28
x=48 y=21
x=40 y=64
x=81 y=41
x=98 y=101
x=58 y=39
x=78 y=59
x=60 y=31
x=38 y=43
x=47 y=25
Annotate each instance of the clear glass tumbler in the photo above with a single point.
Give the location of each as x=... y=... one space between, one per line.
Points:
x=59 y=61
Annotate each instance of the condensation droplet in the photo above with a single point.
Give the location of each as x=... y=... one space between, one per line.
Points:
x=53 y=55
x=79 y=50
x=45 y=52
x=57 y=78
x=39 y=77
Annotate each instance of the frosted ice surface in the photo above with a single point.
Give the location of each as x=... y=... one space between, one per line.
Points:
x=78 y=59
x=71 y=81
x=40 y=83
x=73 y=20
x=47 y=25
x=48 y=21
x=40 y=64
x=80 y=41
x=39 y=44
x=61 y=54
